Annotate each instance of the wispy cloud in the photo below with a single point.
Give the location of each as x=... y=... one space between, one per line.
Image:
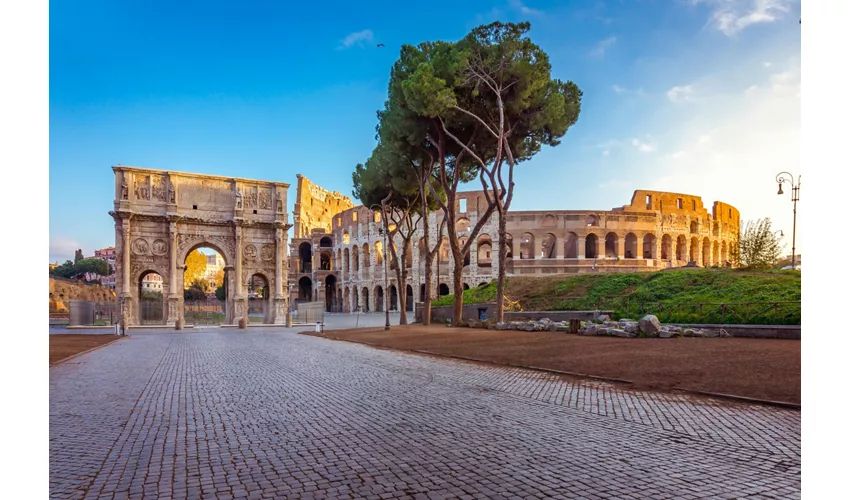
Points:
x=62 y=249
x=524 y=9
x=733 y=16
x=358 y=38
x=599 y=49
x=680 y=93
x=625 y=91
x=643 y=147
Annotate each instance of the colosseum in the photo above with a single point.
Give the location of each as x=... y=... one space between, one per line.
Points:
x=337 y=251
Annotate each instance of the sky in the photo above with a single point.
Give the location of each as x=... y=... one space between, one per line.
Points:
x=698 y=97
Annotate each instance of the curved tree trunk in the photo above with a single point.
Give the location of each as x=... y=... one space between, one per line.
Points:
x=503 y=269
x=457 y=279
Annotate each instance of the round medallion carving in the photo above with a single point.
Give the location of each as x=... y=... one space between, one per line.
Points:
x=267 y=252
x=250 y=252
x=140 y=246
x=159 y=247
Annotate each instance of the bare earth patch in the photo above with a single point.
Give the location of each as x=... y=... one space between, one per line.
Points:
x=766 y=369
x=64 y=346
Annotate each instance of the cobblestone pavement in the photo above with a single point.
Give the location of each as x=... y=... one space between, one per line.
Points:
x=268 y=413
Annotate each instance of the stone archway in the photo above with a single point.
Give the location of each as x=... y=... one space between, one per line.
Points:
x=160 y=216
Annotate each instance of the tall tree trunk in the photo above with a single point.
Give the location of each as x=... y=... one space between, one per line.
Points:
x=457 y=279
x=401 y=277
x=503 y=268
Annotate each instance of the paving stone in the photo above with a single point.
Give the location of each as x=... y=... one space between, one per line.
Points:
x=267 y=413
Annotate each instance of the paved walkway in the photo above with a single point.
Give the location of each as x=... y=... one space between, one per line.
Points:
x=267 y=413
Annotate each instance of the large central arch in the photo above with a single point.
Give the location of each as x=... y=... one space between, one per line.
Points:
x=161 y=216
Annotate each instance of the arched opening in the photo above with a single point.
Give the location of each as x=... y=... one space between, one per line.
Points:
x=590 y=246
x=330 y=294
x=206 y=287
x=631 y=248
x=548 y=245
x=649 y=243
x=367 y=258
x=444 y=289
x=724 y=254
x=355 y=300
x=466 y=257
x=305 y=257
x=409 y=299
x=485 y=251
x=483 y=284
x=694 y=250
x=259 y=296
x=364 y=299
x=380 y=303
x=422 y=293
x=346 y=239
x=666 y=247
x=305 y=289
x=611 y=241
x=325 y=261
x=694 y=227
x=571 y=246
x=465 y=286
x=526 y=246
x=393 y=298
x=444 y=250
x=462 y=226
x=706 y=252
x=326 y=242
x=681 y=248
x=338 y=261
x=151 y=304
x=347 y=300
x=715 y=253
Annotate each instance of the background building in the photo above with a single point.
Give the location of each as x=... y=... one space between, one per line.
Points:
x=343 y=265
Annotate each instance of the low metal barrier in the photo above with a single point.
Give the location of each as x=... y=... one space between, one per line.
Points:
x=311 y=312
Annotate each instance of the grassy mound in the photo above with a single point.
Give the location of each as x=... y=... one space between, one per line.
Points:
x=678 y=295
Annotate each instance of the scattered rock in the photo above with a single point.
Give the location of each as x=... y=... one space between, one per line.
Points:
x=631 y=327
x=649 y=324
x=589 y=329
x=616 y=332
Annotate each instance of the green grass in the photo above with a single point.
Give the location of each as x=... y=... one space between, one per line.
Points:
x=633 y=294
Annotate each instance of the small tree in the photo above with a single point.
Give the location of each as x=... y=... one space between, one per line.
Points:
x=219 y=293
x=757 y=246
x=78 y=255
x=196 y=266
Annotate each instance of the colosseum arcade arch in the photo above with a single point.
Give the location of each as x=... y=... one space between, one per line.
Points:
x=160 y=216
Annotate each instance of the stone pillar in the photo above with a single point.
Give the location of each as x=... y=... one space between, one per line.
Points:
x=538 y=248
x=279 y=301
x=173 y=297
x=621 y=247
x=517 y=244
x=559 y=248
x=240 y=303
x=126 y=297
x=581 y=245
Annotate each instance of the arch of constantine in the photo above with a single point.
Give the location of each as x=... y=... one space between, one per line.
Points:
x=337 y=253
x=161 y=216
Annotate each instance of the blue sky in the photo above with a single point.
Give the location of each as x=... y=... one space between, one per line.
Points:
x=692 y=96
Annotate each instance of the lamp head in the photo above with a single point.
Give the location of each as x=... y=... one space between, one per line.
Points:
x=780 y=188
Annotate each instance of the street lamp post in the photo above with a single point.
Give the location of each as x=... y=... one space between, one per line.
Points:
x=386 y=282
x=795 y=195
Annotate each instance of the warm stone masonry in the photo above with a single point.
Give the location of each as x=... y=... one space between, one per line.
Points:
x=161 y=216
x=342 y=265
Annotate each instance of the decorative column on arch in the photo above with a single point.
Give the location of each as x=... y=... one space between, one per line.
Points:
x=280 y=275
x=173 y=296
x=126 y=296
x=240 y=301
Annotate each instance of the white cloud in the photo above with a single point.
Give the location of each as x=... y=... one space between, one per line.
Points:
x=767 y=64
x=733 y=16
x=606 y=152
x=625 y=91
x=62 y=249
x=524 y=9
x=643 y=147
x=359 y=38
x=680 y=93
x=731 y=147
x=618 y=89
x=599 y=49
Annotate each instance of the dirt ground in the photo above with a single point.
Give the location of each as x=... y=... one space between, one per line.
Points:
x=66 y=345
x=766 y=369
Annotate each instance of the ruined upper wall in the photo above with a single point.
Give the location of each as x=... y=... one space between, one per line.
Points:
x=195 y=196
x=315 y=208
x=679 y=204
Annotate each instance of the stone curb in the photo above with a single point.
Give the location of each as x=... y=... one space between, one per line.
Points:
x=88 y=351
x=743 y=399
